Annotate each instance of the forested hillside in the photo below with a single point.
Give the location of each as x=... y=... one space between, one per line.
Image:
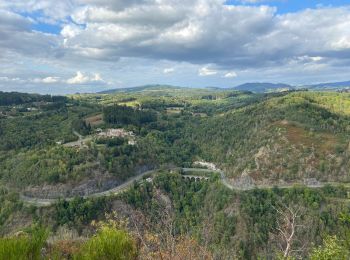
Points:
x=80 y=173
x=300 y=135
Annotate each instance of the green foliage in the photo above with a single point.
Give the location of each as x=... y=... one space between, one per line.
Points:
x=49 y=123
x=23 y=247
x=187 y=198
x=110 y=142
x=16 y=98
x=81 y=127
x=109 y=244
x=271 y=137
x=331 y=249
x=35 y=130
x=123 y=115
x=240 y=222
x=9 y=204
x=50 y=165
x=79 y=212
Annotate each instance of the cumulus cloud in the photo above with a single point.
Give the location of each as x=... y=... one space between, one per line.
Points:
x=206 y=31
x=53 y=10
x=11 y=80
x=81 y=78
x=168 y=70
x=205 y=71
x=70 y=31
x=17 y=37
x=249 y=38
x=230 y=74
x=47 y=80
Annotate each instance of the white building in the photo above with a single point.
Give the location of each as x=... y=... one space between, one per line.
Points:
x=207 y=165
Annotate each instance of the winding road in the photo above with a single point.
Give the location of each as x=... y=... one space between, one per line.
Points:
x=47 y=202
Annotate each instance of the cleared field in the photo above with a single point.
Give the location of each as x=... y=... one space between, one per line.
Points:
x=95 y=120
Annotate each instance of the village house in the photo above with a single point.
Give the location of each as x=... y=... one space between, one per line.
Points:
x=119 y=132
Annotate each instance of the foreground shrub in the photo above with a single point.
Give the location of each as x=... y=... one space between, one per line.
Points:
x=109 y=243
x=332 y=249
x=23 y=247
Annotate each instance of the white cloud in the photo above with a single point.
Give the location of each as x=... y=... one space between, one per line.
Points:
x=11 y=80
x=51 y=80
x=205 y=71
x=80 y=78
x=55 y=10
x=207 y=31
x=316 y=58
x=230 y=74
x=168 y=70
x=342 y=43
x=47 y=80
x=100 y=35
x=70 y=31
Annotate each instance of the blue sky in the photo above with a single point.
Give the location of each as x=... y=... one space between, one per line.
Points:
x=289 y=6
x=70 y=46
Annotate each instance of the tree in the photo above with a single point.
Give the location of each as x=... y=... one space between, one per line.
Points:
x=109 y=243
x=331 y=249
x=287 y=227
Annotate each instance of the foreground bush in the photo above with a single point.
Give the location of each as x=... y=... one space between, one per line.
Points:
x=332 y=249
x=109 y=243
x=24 y=246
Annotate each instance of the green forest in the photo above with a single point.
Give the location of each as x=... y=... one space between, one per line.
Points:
x=277 y=183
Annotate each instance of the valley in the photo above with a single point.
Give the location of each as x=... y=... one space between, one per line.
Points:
x=218 y=164
x=174 y=130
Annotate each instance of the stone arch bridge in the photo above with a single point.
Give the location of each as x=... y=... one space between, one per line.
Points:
x=195 y=178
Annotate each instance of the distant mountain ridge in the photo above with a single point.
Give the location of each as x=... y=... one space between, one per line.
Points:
x=257 y=87
x=138 y=88
x=263 y=87
x=330 y=85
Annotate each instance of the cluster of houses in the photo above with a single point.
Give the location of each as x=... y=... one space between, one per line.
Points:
x=114 y=132
x=107 y=133
x=117 y=132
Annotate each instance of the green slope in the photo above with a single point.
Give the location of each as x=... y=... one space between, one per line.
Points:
x=301 y=135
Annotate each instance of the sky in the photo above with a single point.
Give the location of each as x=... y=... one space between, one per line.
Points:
x=69 y=46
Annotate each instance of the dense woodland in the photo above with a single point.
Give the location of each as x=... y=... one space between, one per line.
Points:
x=16 y=98
x=273 y=139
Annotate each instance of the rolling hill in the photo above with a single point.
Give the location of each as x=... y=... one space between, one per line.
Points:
x=330 y=86
x=275 y=143
x=259 y=87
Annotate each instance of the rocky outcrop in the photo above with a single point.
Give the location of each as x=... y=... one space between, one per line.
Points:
x=98 y=183
x=83 y=188
x=244 y=181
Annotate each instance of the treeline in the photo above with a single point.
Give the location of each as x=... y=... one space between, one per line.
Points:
x=36 y=130
x=196 y=217
x=46 y=127
x=163 y=102
x=123 y=115
x=53 y=165
x=79 y=212
x=81 y=126
x=245 y=225
x=16 y=98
